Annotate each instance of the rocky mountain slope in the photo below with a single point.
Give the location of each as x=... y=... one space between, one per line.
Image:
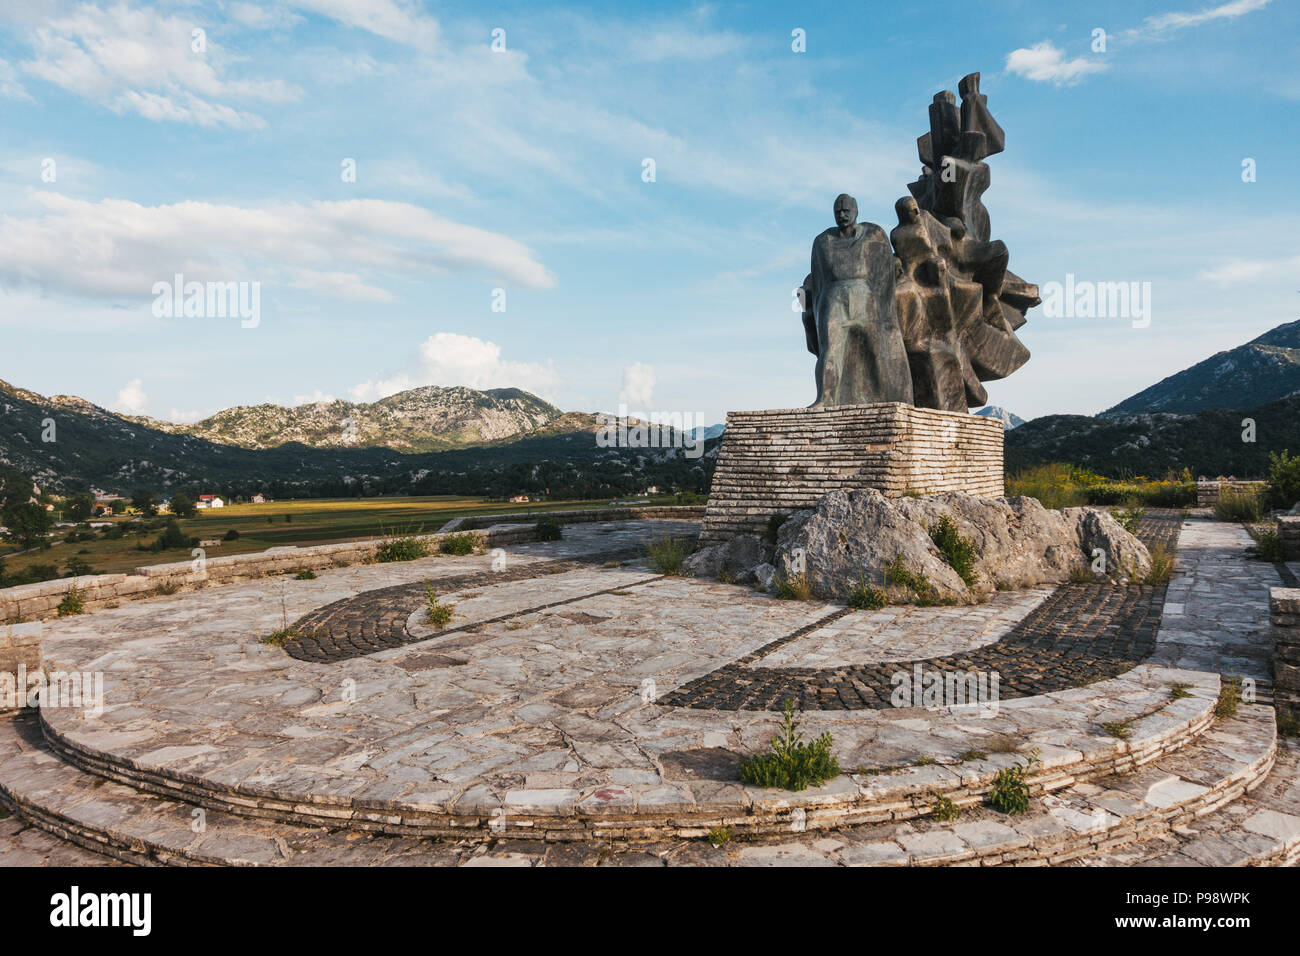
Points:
x=1008 y=419
x=431 y=418
x=1207 y=443
x=91 y=447
x=1263 y=370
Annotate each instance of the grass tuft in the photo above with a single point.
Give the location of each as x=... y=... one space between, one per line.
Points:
x=792 y=764
x=1229 y=698
x=436 y=613
x=958 y=551
x=667 y=553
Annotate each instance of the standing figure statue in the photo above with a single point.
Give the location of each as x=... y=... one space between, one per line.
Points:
x=932 y=319
x=849 y=302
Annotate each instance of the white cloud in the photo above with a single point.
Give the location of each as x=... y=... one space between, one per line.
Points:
x=1045 y=63
x=263 y=17
x=132 y=399
x=10 y=87
x=117 y=249
x=638 y=385
x=682 y=43
x=1177 y=20
x=395 y=20
x=448 y=358
x=142 y=61
x=316 y=397
x=1239 y=270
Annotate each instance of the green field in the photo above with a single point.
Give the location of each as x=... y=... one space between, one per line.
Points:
x=311 y=521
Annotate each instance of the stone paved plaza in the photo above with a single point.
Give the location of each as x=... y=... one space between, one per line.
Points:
x=582 y=708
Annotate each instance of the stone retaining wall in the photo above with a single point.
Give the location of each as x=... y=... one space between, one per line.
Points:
x=1284 y=614
x=680 y=512
x=20 y=652
x=776 y=462
x=1288 y=533
x=41 y=600
x=1207 y=492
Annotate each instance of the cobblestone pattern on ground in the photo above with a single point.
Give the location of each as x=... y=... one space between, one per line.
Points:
x=377 y=620
x=1080 y=634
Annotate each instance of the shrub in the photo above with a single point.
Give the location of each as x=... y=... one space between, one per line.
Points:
x=462 y=543
x=435 y=612
x=720 y=835
x=1238 y=504
x=791 y=764
x=1284 y=479
x=404 y=548
x=1268 y=546
x=864 y=597
x=1179 y=690
x=667 y=553
x=898 y=574
x=1010 y=791
x=78 y=566
x=959 y=552
x=231 y=535
x=1130 y=518
x=172 y=537
x=796 y=588
x=1288 y=725
x=1053 y=484
x=945 y=811
x=74 y=602
x=549 y=529
x=306 y=574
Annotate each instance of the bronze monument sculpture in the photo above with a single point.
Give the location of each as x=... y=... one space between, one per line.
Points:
x=930 y=321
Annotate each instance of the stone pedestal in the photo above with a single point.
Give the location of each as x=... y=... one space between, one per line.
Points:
x=776 y=462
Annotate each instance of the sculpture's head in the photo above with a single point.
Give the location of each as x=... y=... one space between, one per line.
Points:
x=846 y=210
x=956 y=227
x=908 y=211
x=898 y=269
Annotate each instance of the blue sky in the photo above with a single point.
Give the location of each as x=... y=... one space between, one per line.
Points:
x=480 y=169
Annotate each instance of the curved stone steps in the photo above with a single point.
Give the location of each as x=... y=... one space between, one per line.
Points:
x=1260 y=829
x=1146 y=810
x=146 y=829
x=663 y=811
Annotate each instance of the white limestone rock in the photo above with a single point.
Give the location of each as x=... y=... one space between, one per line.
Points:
x=1018 y=543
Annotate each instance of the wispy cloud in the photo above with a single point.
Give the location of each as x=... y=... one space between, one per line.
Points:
x=1046 y=63
x=116 y=249
x=1166 y=22
x=138 y=60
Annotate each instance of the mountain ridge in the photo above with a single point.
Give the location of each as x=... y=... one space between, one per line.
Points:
x=1263 y=370
x=427 y=418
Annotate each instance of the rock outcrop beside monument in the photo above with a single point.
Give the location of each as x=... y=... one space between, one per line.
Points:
x=853 y=536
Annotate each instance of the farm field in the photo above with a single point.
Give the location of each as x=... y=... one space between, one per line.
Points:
x=283 y=523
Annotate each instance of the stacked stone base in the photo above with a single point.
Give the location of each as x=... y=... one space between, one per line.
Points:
x=776 y=462
x=1288 y=534
x=1284 y=613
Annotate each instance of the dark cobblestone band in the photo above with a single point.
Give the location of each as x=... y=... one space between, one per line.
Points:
x=1080 y=634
